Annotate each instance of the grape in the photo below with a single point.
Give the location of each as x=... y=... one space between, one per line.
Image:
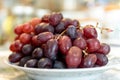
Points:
x=58 y=43
x=104 y=49
x=18 y=29
x=93 y=45
x=43 y=46
x=75 y=23
x=44 y=36
x=48 y=27
x=15 y=57
x=16 y=46
x=32 y=63
x=35 y=41
x=64 y=44
x=25 y=38
x=90 y=31
x=101 y=59
x=51 y=49
x=39 y=27
x=67 y=22
x=71 y=32
x=27 y=49
x=73 y=57
x=12 y=47
x=23 y=61
x=79 y=33
x=60 y=27
x=27 y=28
x=17 y=37
x=45 y=18
x=80 y=42
x=44 y=63
x=89 y=61
x=44 y=27
x=35 y=21
x=55 y=18
x=37 y=53
x=58 y=65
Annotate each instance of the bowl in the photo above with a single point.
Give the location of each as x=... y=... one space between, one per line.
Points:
x=66 y=74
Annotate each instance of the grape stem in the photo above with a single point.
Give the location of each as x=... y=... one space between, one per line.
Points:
x=85 y=53
x=61 y=34
x=103 y=28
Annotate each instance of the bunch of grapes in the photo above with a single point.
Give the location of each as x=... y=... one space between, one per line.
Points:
x=56 y=42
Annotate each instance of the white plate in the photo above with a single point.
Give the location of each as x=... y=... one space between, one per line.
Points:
x=67 y=74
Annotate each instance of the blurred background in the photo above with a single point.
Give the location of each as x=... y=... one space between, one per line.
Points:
x=105 y=12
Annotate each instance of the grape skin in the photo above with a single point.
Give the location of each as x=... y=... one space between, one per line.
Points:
x=64 y=44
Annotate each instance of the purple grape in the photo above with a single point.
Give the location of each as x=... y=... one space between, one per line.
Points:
x=24 y=60
x=27 y=49
x=60 y=27
x=55 y=18
x=37 y=53
x=51 y=49
x=32 y=63
x=15 y=57
x=71 y=32
x=44 y=63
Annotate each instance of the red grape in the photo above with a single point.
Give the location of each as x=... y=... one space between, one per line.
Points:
x=16 y=46
x=104 y=49
x=25 y=38
x=45 y=18
x=89 y=61
x=64 y=44
x=90 y=31
x=17 y=37
x=73 y=57
x=18 y=29
x=80 y=42
x=12 y=47
x=27 y=28
x=93 y=45
x=35 y=21
x=35 y=41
